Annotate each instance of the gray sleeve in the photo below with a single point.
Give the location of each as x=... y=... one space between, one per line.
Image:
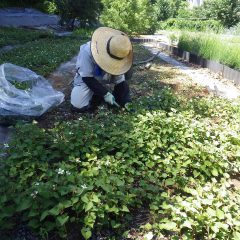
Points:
x=85 y=64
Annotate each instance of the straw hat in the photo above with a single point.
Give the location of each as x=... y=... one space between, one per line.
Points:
x=112 y=50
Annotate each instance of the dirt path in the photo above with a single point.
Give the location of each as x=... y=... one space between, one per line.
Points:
x=213 y=82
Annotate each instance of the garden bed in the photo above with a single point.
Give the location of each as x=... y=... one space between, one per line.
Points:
x=35 y=55
x=166 y=165
x=16 y=36
x=163 y=170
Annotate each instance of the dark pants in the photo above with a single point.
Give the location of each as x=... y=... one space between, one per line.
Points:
x=121 y=93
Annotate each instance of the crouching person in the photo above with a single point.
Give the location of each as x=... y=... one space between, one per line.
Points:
x=103 y=60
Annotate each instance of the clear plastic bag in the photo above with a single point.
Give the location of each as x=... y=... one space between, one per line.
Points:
x=24 y=93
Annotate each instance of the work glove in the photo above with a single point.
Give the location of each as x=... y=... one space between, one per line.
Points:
x=110 y=99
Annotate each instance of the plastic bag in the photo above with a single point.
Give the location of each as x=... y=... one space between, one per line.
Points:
x=23 y=92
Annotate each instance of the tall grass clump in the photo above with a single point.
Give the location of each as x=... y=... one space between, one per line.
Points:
x=225 y=50
x=235 y=30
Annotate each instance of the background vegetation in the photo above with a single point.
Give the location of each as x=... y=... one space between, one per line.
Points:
x=225 y=50
x=139 y=16
x=15 y=36
x=32 y=48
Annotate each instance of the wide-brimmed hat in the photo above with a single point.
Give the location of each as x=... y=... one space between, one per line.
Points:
x=112 y=50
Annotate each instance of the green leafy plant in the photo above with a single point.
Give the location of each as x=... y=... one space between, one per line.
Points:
x=15 y=36
x=43 y=56
x=135 y=16
x=83 y=173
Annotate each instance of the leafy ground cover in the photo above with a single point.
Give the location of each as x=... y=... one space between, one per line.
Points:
x=171 y=159
x=214 y=47
x=44 y=55
x=14 y=36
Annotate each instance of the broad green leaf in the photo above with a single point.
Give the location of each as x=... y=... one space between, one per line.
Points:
x=220 y=214
x=125 y=209
x=115 y=224
x=187 y=224
x=62 y=219
x=207 y=201
x=211 y=212
x=88 y=206
x=89 y=220
x=33 y=213
x=165 y=205
x=66 y=204
x=164 y=175
x=24 y=204
x=75 y=200
x=168 y=226
x=95 y=198
x=195 y=173
x=148 y=226
x=215 y=172
x=84 y=198
x=44 y=215
x=215 y=228
x=86 y=233
x=236 y=235
x=34 y=223
x=55 y=210
x=169 y=182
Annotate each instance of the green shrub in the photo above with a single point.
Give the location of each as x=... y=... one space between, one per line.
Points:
x=40 y=5
x=192 y=25
x=212 y=47
x=165 y=9
x=135 y=16
x=84 y=11
x=226 y=11
x=209 y=211
x=93 y=173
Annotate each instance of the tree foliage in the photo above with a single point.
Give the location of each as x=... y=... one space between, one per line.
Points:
x=132 y=16
x=165 y=9
x=227 y=11
x=38 y=4
x=85 y=11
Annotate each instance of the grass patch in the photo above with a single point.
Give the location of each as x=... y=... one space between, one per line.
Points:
x=213 y=47
x=84 y=33
x=44 y=55
x=15 y=36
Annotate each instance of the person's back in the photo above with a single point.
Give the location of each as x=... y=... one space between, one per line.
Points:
x=103 y=60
